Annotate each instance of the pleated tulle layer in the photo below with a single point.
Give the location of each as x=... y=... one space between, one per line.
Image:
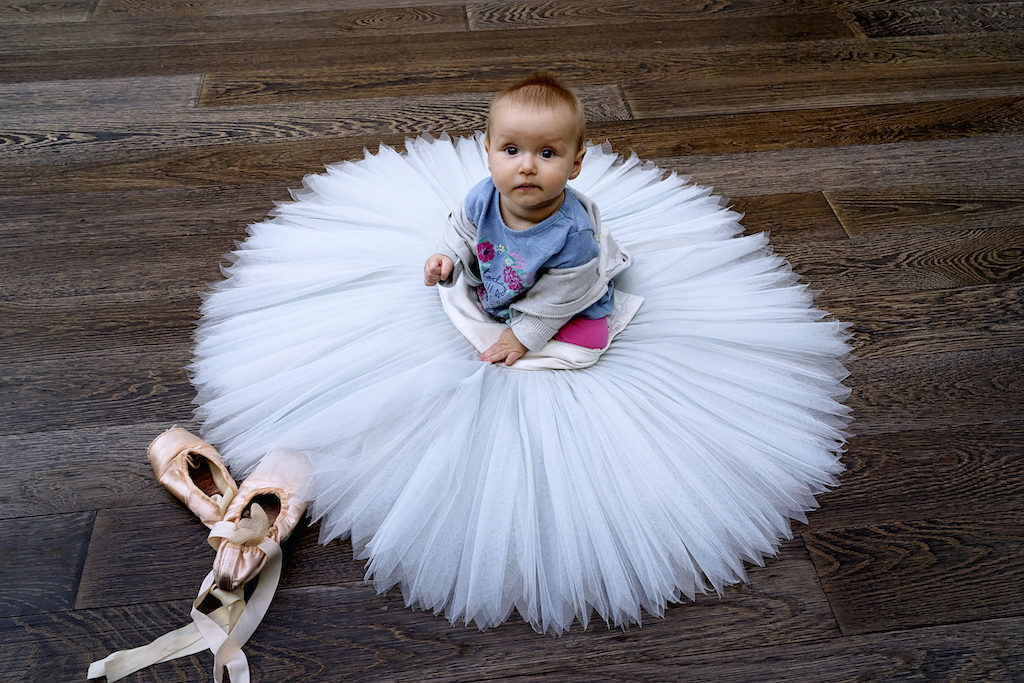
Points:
x=712 y=420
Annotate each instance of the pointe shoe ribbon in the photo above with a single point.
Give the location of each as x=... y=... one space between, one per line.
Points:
x=248 y=547
x=185 y=641
x=174 y=455
x=281 y=478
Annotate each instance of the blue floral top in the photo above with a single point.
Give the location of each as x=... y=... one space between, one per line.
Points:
x=512 y=260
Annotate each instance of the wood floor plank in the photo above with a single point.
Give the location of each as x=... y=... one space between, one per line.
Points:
x=936 y=206
x=22 y=12
x=310 y=632
x=62 y=135
x=59 y=646
x=941 y=17
x=20 y=101
x=938 y=391
x=280 y=163
x=184 y=31
x=178 y=265
x=97 y=388
x=521 y=15
x=821 y=25
x=925 y=474
x=920 y=261
x=853 y=166
x=783 y=87
x=108 y=217
x=922 y=323
x=42 y=559
x=63 y=325
x=657 y=43
x=790 y=218
x=79 y=470
x=174 y=9
x=983 y=650
x=836 y=126
x=661 y=80
x=159 y=552
x=922 y=573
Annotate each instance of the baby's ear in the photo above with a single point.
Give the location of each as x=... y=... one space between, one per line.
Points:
x=577 y=163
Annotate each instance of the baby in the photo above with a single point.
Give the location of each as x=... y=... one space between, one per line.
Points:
x=529 y=245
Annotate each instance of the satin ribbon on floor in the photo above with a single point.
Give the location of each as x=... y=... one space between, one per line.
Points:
x=224 y=631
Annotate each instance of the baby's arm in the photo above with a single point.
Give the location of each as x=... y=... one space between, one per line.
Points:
x=437 y=269
x=507 y=348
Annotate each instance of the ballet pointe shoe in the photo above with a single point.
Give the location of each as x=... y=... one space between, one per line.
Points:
x=268 y=507
x=193 y=471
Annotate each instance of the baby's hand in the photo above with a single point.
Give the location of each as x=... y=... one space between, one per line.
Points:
x=508 y=348
x=437 y=268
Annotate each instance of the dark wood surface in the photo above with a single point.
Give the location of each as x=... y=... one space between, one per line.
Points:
x=881 y=144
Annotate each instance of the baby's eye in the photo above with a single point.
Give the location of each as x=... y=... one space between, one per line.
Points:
x=511 y=150
x=548 y=153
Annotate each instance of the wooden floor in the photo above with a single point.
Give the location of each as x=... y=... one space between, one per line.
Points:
x=881 y=143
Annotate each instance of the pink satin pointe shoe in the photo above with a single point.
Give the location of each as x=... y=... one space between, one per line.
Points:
x=193 y=471
x=268 y=507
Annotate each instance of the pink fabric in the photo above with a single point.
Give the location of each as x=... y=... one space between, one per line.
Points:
x=590 y=334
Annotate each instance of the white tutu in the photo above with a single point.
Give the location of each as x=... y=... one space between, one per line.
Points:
x=713 y=418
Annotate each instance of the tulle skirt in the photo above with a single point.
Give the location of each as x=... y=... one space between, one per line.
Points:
x=712 y=420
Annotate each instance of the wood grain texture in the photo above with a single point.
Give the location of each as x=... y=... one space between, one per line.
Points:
x=43 y=134
x=79 y=470
x=790 y=218
x=134 y=10
x=59 y=646
x=940 y=18
x=88 y=388
x=805 y=26
x=856 y=166
x=663 y=79
x=122 y=567
x=923 y=572
x=522 y=15
x=109 y=217
x=922 y=323
x=984 y=651
x=938 y=391
x=920 y=261
x=22 y=12
x=42 y=561
x=327 y=25
x=877 y=124
x=661 y=42
x=787 y=86
x=276 y=163
x=97 y=323
x=926 y=474
x=41 y=273
x=932 y=207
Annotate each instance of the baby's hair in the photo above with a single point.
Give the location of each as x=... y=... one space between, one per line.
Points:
x=542 y=89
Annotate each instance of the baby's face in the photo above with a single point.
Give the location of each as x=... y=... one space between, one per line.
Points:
x=531 y=153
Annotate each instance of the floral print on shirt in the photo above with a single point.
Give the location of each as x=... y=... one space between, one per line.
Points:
x=514 y=277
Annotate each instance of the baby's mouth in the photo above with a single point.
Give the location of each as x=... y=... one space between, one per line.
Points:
x=528 y=187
